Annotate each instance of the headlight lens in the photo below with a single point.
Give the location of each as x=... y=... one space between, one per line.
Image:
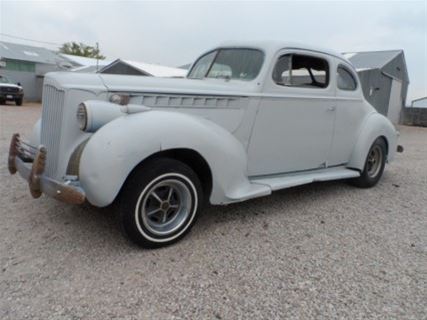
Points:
x=82 y=116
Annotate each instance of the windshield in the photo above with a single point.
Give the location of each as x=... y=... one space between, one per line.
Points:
x=4 y=79
x=239 y=64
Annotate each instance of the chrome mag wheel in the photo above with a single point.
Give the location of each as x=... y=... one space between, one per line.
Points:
x=374 y=161
x=166 y=206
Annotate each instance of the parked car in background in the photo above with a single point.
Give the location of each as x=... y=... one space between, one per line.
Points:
x=247 y=120
x=10 y=91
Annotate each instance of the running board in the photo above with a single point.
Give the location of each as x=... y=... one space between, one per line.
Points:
x=277 y=182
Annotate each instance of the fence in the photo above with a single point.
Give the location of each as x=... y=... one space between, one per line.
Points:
x=414 y=117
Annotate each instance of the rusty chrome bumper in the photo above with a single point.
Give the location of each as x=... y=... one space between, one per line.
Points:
x=30 y=163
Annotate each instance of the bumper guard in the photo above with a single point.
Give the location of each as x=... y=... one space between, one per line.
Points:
x=32 y=168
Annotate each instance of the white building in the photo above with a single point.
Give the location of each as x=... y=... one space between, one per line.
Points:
x=419 y=103
x=28 y=65
x=128 y=67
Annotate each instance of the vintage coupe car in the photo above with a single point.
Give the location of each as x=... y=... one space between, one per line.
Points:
x=247 y=120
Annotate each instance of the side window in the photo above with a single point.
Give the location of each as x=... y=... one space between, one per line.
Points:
x=202 y=65
x=219 y=70
x=302 y=71
x=345 y=79
x=242 y=64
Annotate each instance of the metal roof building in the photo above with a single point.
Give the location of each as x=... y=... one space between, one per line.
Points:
x=128 y=67
x=85 y=64
x=83 y=61
x=384 y=78
x=416 y=114
x=28 y=65
x=23 y=52
x=419 y=103
x=88 y=69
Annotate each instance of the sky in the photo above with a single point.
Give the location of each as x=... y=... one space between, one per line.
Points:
x=176 y=33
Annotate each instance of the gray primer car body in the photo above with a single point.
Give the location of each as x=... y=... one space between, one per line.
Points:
x=255 y=136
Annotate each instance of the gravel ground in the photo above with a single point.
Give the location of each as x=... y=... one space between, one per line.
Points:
x=321 y=251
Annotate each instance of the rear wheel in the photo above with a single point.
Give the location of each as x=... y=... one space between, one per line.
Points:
x=374 y=165
x=160 y=202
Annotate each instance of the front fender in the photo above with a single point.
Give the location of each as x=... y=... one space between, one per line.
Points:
x=119 y=146
x=375 y=125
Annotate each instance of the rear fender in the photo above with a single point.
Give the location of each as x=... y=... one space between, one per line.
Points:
x=375 y=126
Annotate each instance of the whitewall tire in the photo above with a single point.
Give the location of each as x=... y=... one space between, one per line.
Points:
x=160 y=202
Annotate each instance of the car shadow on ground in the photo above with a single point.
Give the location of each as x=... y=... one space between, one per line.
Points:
x=94 y=226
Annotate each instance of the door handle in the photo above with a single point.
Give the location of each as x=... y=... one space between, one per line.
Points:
x=331 y=108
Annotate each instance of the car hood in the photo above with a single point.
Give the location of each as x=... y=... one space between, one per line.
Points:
x=178 y=85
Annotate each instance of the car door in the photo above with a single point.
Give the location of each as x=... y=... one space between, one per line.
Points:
x=294 y=125
x=350 y=113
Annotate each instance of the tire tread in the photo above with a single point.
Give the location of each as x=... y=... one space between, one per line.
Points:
x=141 y=176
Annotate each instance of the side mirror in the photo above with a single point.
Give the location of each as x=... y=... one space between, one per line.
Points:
x=19 y=84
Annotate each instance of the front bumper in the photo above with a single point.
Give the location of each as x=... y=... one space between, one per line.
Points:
x=11 y=96
x=30 y=163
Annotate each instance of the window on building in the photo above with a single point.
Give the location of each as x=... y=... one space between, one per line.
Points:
x=17 y=65
x=295 y=70
x=345 y=79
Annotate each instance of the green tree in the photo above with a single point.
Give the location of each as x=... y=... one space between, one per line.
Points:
x=81 y=49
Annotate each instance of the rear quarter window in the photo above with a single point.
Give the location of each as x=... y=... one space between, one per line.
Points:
x=345 y=79
x=303 y=71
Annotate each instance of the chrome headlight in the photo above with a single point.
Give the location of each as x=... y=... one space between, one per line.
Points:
x=82 y=116
x=93 y=114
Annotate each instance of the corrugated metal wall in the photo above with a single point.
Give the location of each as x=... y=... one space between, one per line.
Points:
x=376 y=89
x=377 y=84
x=397 y=69
x=414 y=116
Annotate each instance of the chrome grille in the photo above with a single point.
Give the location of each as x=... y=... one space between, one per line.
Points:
x=9 y=89
x=53 y=105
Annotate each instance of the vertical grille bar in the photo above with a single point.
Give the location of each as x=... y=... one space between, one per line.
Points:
x=53 y=104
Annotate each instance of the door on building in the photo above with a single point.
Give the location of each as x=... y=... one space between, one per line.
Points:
x=395 y=102
x=39 y=88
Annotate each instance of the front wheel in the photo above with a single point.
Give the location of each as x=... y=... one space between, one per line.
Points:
x=374 y=165
x=160 y=202
x=18 y=101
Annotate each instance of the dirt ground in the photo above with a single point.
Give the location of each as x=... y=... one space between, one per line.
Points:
x=321 y=251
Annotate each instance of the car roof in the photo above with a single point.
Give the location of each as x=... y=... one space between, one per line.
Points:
x=272 y=46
